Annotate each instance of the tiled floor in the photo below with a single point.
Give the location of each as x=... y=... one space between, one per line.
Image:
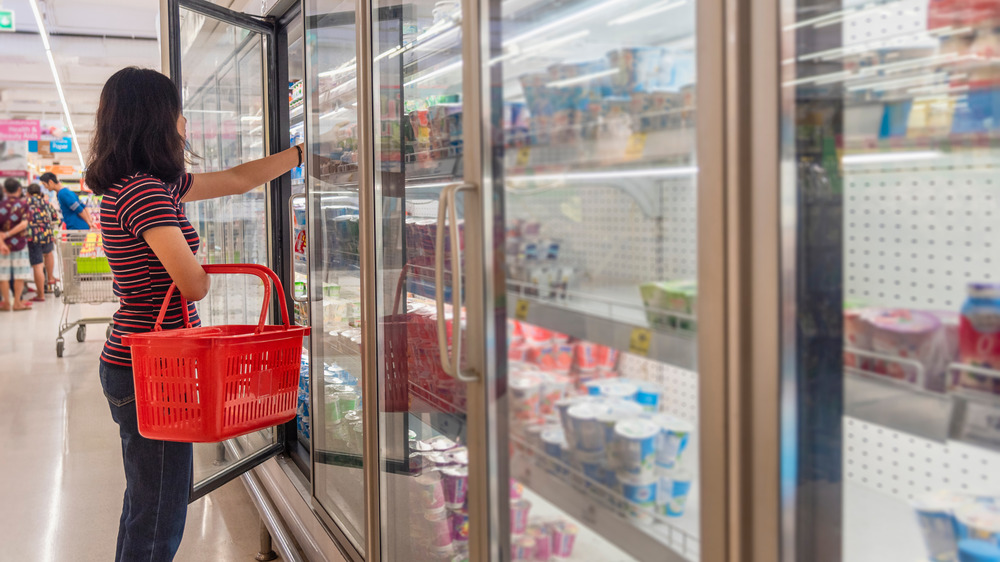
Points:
x=61 y=478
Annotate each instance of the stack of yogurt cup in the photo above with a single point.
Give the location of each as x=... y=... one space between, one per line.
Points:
x=537 y=540
x=617 y=443
x=438 y=491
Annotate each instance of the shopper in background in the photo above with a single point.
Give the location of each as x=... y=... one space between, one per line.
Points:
x=41 y=244
x=150 y=243
x=75 y=213
x=14 y=262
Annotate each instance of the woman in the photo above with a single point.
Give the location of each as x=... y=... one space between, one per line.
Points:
x=137 y=164
x=41 y=215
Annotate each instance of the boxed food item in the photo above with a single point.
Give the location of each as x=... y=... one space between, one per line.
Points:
x=670 y=304
x=979 y=337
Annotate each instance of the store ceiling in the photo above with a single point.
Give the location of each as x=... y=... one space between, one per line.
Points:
x=90 y=39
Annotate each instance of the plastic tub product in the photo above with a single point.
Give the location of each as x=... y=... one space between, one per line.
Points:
x=428 y=491
x=553 y=441
x=971 y=550
x=979 y=521
x=636 y=443
x=617 y=390
x=519 y=511
x=525 y=396
x=455 y=481
x=674 y=436
x=587 y=433
x=563 y=538
x=522 y=548
x=936 y=516
x=675 y=486
x=649 y=396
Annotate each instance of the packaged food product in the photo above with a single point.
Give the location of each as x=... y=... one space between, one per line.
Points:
x=440 y=528
x=636 y=443
x=525 y=393
x=670 y=305
x=522 y=548
x=519 y=511
x=642 y=494
x=649 y=396
x=584 y=356
x=618 y=390
x=857 y=335
x=428 y=491
x=516 y=489
x=459 y=521
x=979 y=336
x=554 y=388
x=936 y=516
x=970 y=550
x=455 y=482
x=553 y=440
x=979 y=521
x=586 y=431
x=908 y=334
x=675 y=486
x=543 y=541
x=673 y=437
x=563 y=538
x=592 y=463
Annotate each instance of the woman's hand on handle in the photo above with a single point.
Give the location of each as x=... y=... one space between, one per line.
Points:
x=244 y=177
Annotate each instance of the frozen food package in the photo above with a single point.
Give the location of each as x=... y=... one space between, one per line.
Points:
x=670 y=305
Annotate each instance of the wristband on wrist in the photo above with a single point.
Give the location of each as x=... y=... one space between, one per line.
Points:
x=299 y=149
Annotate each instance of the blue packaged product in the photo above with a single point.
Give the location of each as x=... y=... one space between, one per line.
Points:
x=936 y=516
x=553 y=440
x=675 y=486
x=635 y=440
x=643 y=494
x=673 y=438
x=649 y=396
x=971 y=550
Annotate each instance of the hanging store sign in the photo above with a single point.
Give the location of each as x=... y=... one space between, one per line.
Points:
x=18 y=129
x=7 y=20
x=61 y=145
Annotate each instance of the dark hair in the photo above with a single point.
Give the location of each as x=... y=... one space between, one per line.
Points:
x=136 y=130
x=47 y=177
x=34 y=189
x=11 y=185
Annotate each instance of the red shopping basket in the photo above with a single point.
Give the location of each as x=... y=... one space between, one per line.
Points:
x=209 y=384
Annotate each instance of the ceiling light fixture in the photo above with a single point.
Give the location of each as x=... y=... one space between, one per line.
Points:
x=55 y=76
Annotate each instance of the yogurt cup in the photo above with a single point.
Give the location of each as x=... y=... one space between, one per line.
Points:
x=592 y=464
x=675 y=485
x=971 y=550
x=619 y=390
x=553 y=441
x=636 y=443
x=525 y=394
x=641 y=494
x=563 y=536
x=459 y=523
x=587 y=433
x=522 y=548
x=519 y=511
x=543 y=541
x=455 y=481
x=936 y=516
x=979 y=521
x=673 y=438
x=440 y=529
x=649 y=396
x=428 y=492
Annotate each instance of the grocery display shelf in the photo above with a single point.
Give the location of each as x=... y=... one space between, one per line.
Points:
x=636 y=530
x=614 y=317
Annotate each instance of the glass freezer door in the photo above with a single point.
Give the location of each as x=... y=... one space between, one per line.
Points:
x=891 y=417
x=596 y=111
x=222 y=69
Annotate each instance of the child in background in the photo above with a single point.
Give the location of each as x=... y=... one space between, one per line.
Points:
x=41 y=244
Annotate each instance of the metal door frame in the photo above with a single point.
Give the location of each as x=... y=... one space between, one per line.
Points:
x=276 y=202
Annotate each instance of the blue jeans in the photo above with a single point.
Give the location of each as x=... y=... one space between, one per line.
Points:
x=157 y=479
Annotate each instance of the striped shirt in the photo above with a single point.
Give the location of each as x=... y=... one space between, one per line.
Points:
x=134 y=205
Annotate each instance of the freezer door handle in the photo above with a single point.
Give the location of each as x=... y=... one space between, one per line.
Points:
x=291 y=225
x=451 y=361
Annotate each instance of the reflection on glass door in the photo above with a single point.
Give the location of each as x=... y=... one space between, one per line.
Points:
x=223 y=100
x=599 y=188
x=330 y=106
x=418 y=152
x=892 y=119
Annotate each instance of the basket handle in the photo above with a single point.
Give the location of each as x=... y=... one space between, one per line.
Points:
x=260 y=271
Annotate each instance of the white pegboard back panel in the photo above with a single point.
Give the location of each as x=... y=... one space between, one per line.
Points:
x=916 y=235
x=903 y=466
x=874 y=25
x=606 y=233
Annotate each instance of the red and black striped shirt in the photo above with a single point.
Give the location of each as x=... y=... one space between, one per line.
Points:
x=134 y=205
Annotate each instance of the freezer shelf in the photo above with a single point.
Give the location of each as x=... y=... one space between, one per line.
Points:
x=614 y=317
x=639 y=531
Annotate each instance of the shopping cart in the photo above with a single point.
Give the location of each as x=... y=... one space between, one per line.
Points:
x=86 y=279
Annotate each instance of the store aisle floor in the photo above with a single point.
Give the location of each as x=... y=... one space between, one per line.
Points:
x=61 y=478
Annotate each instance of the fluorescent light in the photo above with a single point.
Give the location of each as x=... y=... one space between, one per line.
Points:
x=547 y=45
x=224 y=112
x=582 y=79
x=889 y=157
x=55 y=76
x=648 y=11
x=613 y=174
x=434 y=73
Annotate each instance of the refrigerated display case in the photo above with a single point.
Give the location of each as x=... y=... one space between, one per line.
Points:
x=888 y=157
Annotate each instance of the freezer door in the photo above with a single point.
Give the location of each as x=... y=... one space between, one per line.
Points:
x=221 y=61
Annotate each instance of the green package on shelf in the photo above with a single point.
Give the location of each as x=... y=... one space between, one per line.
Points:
x=662 y=298
x=90 y=266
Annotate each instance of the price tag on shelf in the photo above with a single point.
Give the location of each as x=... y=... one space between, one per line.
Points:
x=523 y=155
x=639 y=341
x=636 y=146
x=521 y=311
